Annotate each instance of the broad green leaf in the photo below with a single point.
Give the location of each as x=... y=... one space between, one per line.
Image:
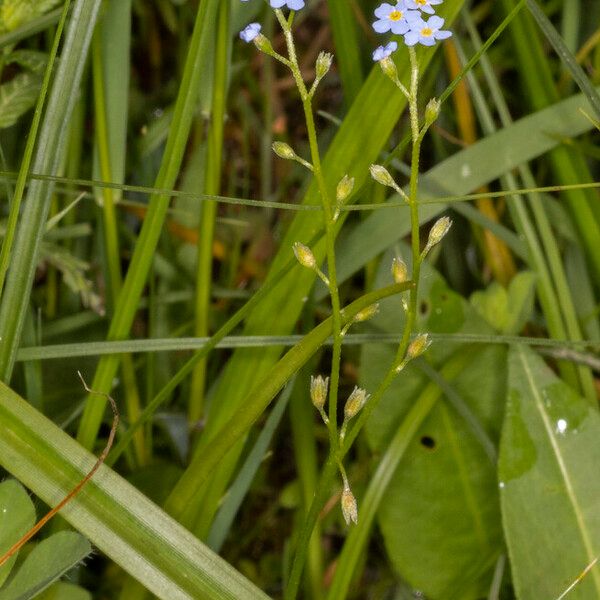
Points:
x=111 y=513
x=50 y=559
x=17 y=517
x=549 y=485
x=17 y=96
x=439 y=515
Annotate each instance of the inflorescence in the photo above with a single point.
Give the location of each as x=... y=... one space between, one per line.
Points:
x=406 y=18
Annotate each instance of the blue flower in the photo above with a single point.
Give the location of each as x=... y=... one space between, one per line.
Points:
x=251 y=31
x=393 y=18
x=424 y=5
x=426 y=32
x=384 y=51
x=291 y=4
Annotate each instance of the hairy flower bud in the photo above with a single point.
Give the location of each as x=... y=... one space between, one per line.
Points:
x=438 y=231
x=349 y=506
x=388 y=66
x=344 y=188
x=355 y=402
x=418 y=346
x=366 y=313
x=399 y=270
x=304 y=255
x=283 y=150
x=381 y=175
x=318 y=391
x=263 y=44
x=324 y=61
x=432 y=110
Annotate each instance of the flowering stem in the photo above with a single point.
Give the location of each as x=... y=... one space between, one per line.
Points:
x=337 y=453
x=330 y=232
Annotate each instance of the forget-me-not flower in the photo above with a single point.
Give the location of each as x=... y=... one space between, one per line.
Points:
x=291 y=4
x=426 y=32
x=250 y=32
x=384 y=51
x=393 y=18
x=424 y=5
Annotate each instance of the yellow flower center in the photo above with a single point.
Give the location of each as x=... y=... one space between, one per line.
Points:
x=395 y=15
x=426 y=32
x=422 y=2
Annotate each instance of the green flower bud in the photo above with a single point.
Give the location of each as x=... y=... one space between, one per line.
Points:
x=283 y=150
x=318 y=391
x=381 y=175
x=366 y=313
x=304 y=255
x=432 y=110
x=263 y=44
x=349 y=506
x=355 y=402
x=389 y=68
x=439 y=230
x=418 y=346
x=323 y=65
x=344 y=188
x=399 y=270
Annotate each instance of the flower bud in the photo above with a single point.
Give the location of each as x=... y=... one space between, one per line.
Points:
x=318 y=391
x=323 y=64
x=418 y=346
x=366 y=313
x=382 y=175
x=389 y=68
x=399 y=270
x=344 y=188
x=263 y=44
x=283 y=150
x=349 y=506
x=304 y=255
x=432 y=110
x=438 y=231
x=355 y=402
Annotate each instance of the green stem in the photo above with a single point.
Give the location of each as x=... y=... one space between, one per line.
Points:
x=206 y=225
x=212 y=450
x=338 y=452
x=330 y=230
